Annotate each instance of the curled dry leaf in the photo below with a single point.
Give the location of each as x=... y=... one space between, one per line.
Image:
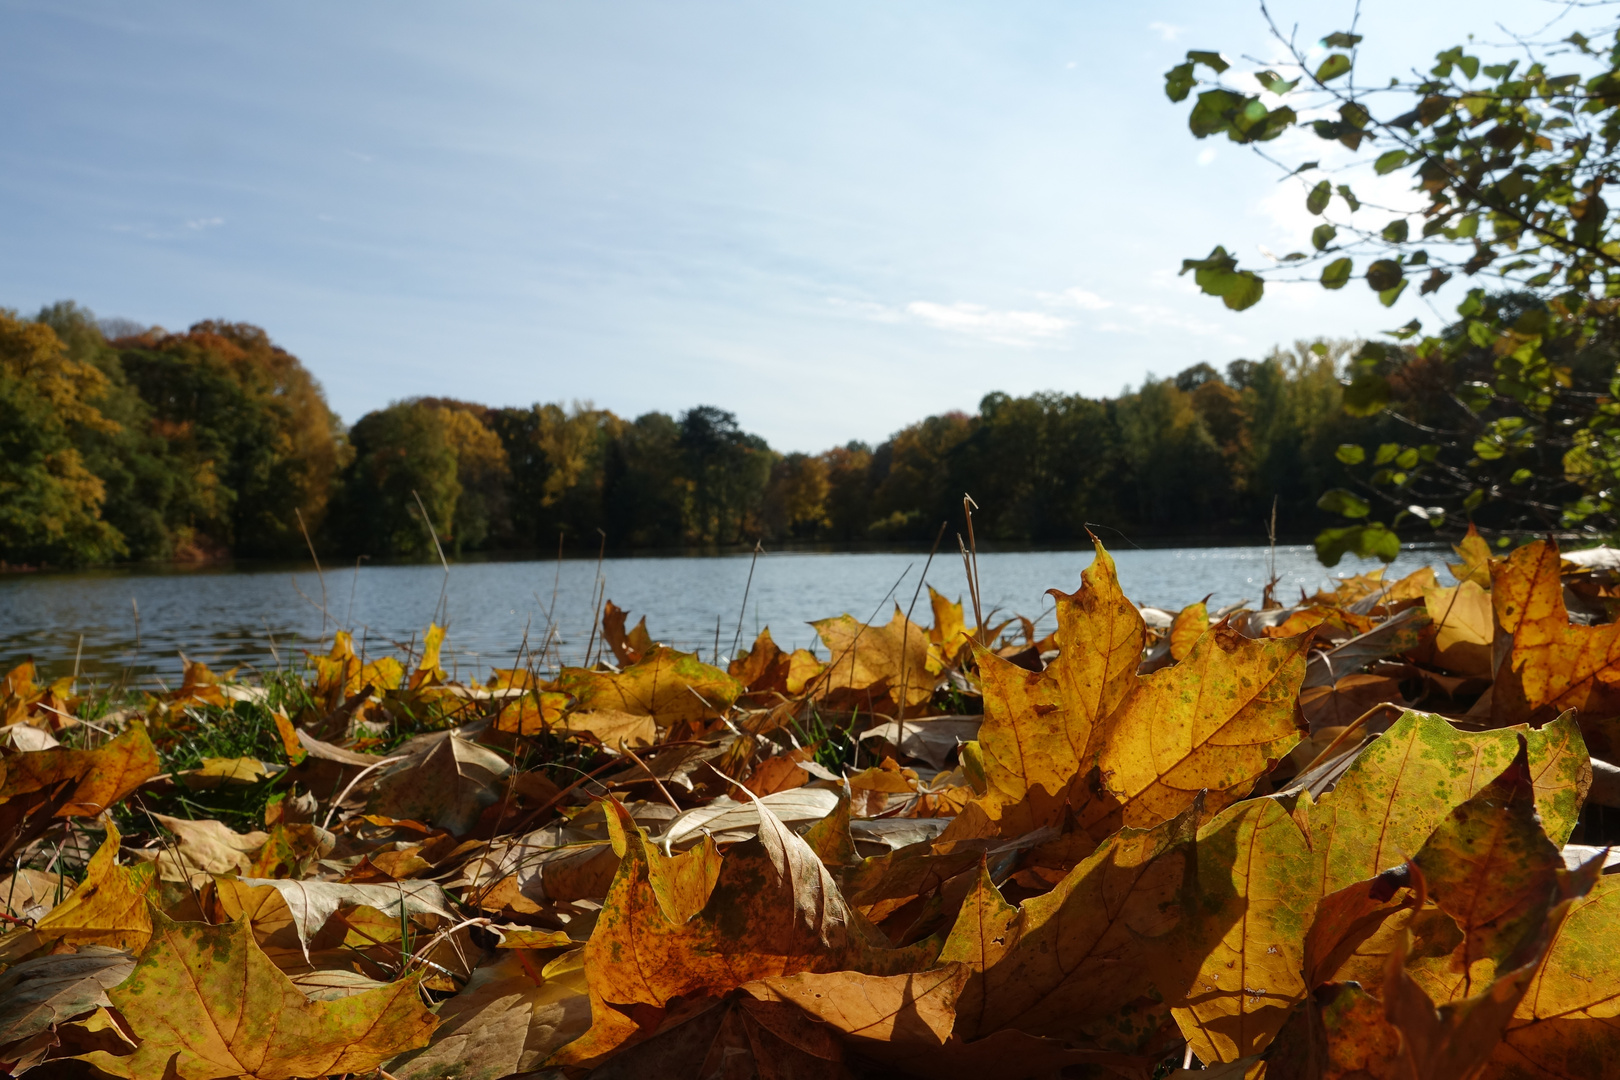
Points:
x=49 y=990
x=1554 y=664
x=202 y=848
x=666 y=685
x=907 y=1011
x=877 y=658
x=310 y=903
x=110 y=907
x=100 y=777
x=448 y=787
x=1189 y=625
x=507 y=1020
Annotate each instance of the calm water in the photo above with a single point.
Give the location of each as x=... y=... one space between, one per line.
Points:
x=254 y=617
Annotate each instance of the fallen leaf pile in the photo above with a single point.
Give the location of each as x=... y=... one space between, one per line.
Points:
x=1357 y=836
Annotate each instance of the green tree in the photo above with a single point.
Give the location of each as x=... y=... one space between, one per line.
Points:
x=401 y=453
x=643 y=490
x=727 y=470
x=50 y=501
x=1177 y=477
x=1509 y=160
x=557 y=457
x=914 y=473
x=1041 y=466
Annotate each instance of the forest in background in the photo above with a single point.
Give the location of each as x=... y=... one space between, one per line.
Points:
x=119 y=442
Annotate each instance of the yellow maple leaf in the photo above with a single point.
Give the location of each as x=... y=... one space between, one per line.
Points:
x=206 y=1002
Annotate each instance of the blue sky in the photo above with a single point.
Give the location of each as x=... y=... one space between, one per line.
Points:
x=830 y=218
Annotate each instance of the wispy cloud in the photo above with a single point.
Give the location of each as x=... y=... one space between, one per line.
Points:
x=1001 y=326
x=199 y=224
x=976 y=320
x=1132 y=317
x=1007 y=326
x=1167 y=31
x=1080 y=298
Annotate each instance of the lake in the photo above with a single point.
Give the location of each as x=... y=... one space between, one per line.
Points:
x=262 y=617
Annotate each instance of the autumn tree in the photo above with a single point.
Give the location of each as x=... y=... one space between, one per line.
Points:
x=145 y=489
x=248 y=425
x=49 y=500
x=849 y=490
x=482 y=514
x=1507 y=162
x=796 y=497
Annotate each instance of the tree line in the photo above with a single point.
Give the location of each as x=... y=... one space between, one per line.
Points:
x=124 y=443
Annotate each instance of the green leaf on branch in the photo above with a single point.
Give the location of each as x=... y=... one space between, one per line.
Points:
x=1350 y=454
x=1334 y=66
x=1345 y=503
x=1475 y=396
x=1384 y=274
x=1396 y=231
x=1386 y=163
x=1179 y=81
x=1370 y=541
x=1433 y=282
x=1349 y=198
x=1322 y=236
x=1218 y=275
x=1213 y=113
x=1272 y=83
x=1341 y=40
x=1317 y=200
x=1367 y=394
x=1388 y=296
x=1336 y=273
x=1210 y=60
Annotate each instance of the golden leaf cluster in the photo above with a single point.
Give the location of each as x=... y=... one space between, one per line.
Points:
x=1352 y=837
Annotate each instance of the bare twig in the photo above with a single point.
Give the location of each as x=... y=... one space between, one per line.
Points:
x=624 y=746
x=737 y=637
x=299 y=514
x=434 y=533
x=905 y=668
x=344 y=794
